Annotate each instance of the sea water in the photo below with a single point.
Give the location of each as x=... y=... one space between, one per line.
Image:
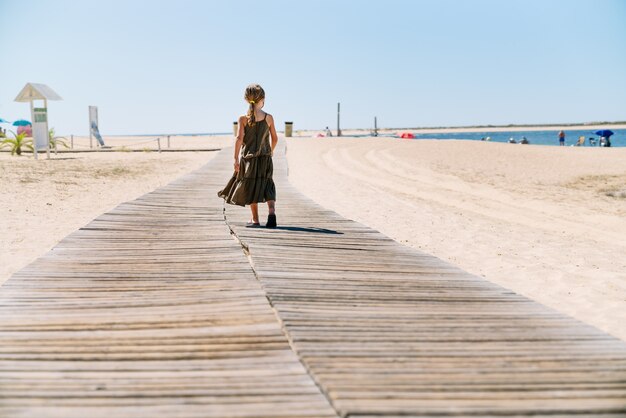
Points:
x=534 y=137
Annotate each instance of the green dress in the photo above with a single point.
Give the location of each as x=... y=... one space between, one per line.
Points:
x=253 y=183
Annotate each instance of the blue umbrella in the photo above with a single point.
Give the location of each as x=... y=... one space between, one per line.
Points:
x=22 y=122
x=605 y=133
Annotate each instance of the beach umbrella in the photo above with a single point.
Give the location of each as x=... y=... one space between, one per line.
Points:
x=22 y=122
x=605 y=133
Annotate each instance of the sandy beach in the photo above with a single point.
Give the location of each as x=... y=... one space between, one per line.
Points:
x=43 y=201
x=546 y=222
x=462 y=129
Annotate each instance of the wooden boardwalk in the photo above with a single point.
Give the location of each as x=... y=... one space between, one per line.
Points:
x=389 y=331
x=153 y=310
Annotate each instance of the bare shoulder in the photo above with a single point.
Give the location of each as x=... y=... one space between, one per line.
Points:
x=270 y=118
x=243 y=119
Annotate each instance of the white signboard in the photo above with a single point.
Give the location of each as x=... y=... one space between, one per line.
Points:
x=93 y=116
x=40 y=127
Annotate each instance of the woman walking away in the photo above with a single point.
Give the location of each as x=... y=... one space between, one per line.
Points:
x=252 y=182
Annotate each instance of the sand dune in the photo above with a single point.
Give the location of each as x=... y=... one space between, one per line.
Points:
x=546 y=222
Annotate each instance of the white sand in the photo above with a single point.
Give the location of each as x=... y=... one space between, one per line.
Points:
x=43 y=201
x=392 y=131
x=534 y=219
x=149 y=142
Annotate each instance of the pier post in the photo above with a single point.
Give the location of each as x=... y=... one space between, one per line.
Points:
x=338 y=119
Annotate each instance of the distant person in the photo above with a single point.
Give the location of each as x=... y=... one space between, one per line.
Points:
x=608 y=141
x=524 y=141
x=482 y=139
x=562 y=138
x=26 y=130
x=251 y=182
x=581 y=141
x=512 y=140
x=328 y=132
x=603 y=141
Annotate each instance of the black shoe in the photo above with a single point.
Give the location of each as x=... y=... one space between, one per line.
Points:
x=271 y=221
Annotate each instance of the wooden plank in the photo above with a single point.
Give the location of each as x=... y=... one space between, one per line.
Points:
x=151 y=309
x=386 y=330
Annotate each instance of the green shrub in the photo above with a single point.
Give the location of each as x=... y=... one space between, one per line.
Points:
x=16 y=143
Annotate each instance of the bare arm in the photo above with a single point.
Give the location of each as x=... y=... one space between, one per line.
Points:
x=270 y=120
x=239 y=142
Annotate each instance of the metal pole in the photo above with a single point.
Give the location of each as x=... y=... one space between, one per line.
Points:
x=168 y=141
x=32 y=118
x=375 y=127
x=72 y=141
x=159 y=143
x=338 y=117
x=55 y=148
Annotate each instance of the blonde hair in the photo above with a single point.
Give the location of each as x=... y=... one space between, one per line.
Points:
x=254 y=94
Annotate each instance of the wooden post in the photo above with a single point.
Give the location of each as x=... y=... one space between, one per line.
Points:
x=90 y=131
x=375 y=127
x=55 y=148
x=168 y=141
x=45 y=106
x=72 y=141
x=159 y=144
x=32 y=118
x=338 y=118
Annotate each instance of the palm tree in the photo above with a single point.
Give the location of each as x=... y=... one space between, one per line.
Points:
x=56 y=140
x=17 y=142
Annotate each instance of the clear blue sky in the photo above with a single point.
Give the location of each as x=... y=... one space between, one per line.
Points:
x=165 y=66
